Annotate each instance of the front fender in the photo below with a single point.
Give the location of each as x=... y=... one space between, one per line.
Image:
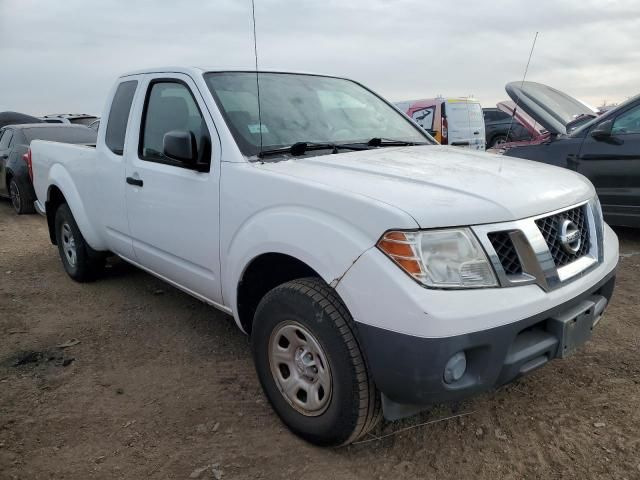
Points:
x=327 y=244
x=60 y=178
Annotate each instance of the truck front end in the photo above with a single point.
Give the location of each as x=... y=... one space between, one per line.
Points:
x=460 y=310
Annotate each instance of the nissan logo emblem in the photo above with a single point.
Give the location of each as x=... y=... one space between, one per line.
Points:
x=570 y=237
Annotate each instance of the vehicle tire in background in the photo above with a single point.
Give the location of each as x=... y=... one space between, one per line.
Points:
x=80 y=262
x=310 y=364
x=21 y=197
x=498 y=140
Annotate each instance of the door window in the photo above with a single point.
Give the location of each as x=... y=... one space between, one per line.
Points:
x=628 y=122
x=171 y=106
x=5 y=140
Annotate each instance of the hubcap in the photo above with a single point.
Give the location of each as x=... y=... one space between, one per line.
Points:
x=69 y=244
x=16 y=201
x=300 y=368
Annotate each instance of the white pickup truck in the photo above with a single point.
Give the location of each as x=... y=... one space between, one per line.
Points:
x=374 y=270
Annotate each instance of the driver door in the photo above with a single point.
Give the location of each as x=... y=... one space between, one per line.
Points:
x=613 y=166
x=173 y=208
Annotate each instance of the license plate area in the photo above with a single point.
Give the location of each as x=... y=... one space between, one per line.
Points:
x=574 y=326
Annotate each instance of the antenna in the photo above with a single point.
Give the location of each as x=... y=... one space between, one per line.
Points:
x=255 y=53
x=521 y=84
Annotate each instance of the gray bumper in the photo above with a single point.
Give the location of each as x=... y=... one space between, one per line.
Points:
x=409 y=370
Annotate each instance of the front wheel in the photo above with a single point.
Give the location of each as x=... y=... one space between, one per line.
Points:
x=310 y=364
x=80 y=262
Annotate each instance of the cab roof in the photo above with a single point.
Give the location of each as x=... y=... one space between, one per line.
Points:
x=200 y=70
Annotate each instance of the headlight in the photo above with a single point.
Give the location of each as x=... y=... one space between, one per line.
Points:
x=451 y=258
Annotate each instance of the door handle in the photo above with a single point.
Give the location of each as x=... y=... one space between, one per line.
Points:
x=135 y=181
x=476 y=133
x=4 y=156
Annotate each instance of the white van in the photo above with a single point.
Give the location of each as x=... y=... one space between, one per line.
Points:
x=451 y=121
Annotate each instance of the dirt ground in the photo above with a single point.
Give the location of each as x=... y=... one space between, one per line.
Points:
x=161 y=386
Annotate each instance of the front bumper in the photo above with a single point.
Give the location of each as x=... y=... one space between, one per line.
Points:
x=409 y=332
x=409 y=370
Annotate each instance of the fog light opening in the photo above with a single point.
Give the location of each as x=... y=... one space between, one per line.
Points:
x=455 y=368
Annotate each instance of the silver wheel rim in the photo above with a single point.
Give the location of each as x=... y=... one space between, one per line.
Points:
x=500 y=141
x=69 y=244
x=16 y=201
x=300 y=368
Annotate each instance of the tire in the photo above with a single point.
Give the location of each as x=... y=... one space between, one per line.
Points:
x=497 y=140
x=336 y=403
x=21 y=197
x=80 y=262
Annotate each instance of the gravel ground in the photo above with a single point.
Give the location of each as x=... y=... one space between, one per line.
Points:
x=161 y=386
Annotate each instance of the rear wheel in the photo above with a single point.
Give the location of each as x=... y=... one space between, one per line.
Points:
x=310 y=364
x=79 y=261
x=21 y=197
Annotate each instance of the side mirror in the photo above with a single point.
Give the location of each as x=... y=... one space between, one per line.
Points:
x=181 y=145
x=602 y=131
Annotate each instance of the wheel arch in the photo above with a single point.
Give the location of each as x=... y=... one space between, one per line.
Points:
x=62 y=189
x=299 y=241
x=261 y=275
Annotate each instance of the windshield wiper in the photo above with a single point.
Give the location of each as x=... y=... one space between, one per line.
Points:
x=300 y=148
x=389 y=142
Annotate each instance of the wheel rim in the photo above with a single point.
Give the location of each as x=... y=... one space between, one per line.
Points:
x=69 y=244
x=14 y=192
x=300 y=368
x=500 y=141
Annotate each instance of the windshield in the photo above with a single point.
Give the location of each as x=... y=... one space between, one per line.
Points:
x=580 y=129
x=61 y=134
x=83 y=120
x=304 y=108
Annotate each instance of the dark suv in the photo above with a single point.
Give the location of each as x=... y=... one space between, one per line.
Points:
x=496 y=128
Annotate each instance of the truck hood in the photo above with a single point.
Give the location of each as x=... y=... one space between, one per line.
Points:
x=442 y=186
x=551 y=108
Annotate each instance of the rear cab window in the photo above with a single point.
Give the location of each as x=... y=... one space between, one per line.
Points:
x=119 y=116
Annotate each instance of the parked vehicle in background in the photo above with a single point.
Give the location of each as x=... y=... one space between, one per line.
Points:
x=15 y=181
x=372 y=268
x=569 y=114
x=500 y=127
x=451 y=121
x=95 y=125
x=605 y=149
x=14 y=118
x=76 y=118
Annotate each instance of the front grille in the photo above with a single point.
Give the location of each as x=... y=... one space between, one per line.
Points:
x=550 y=229
x=506 y=252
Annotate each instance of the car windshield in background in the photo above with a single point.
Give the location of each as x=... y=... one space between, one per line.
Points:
x=579 y=130
x=61 y=134
x=83 y=120
x=304 y=108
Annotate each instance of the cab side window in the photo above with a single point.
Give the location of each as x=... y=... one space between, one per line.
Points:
x=626 y=123
x=171 y=106
x=119 y=116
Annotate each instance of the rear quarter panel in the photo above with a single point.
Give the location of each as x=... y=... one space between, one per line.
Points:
x=71 y=169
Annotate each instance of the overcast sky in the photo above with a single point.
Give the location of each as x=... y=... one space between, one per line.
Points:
x=63 y=55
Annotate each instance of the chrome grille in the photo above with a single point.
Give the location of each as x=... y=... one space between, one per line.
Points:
x=506 y=252
x=530 y=250
x=550 y=230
